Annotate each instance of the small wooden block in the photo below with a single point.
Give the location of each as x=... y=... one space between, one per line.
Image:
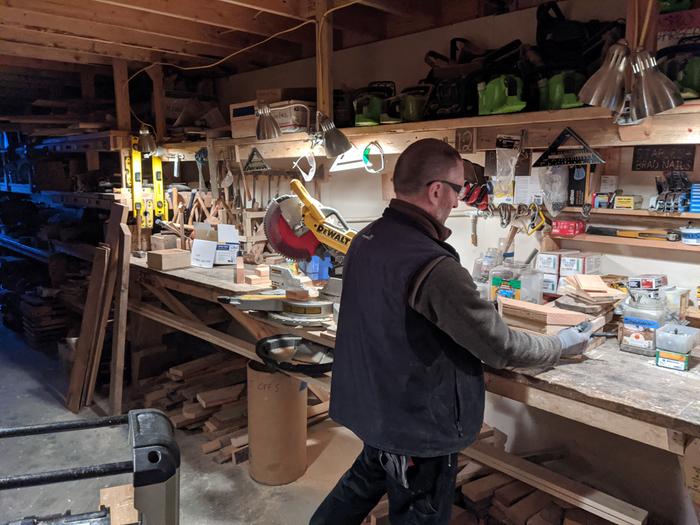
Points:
x=512 y=492
x=239 y=438
x=262 y=270
x=239 y=277
x=171 y=259
x=298 y=295
x=485 y=487
x=581 y=517
x=120 y=501
x=220 y=396
x=552 y=514
x=528 y=507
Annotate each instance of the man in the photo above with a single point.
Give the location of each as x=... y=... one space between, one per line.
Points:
x=412 y=336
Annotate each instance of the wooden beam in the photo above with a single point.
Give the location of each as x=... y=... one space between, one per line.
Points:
x=32 y=51
x=15 y=64
x=121 y=305
x=324 y=50
x=218 y=14
x=34 y=20
x=121 y=94
x=287 y=8
x=87 y=83
x=134 y=20
x=158 y=100
x=170 y=301
x=404 y=8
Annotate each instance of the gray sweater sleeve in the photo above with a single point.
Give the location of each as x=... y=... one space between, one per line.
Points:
x=446 y=295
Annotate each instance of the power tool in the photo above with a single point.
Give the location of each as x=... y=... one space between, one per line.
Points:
x=298 y=226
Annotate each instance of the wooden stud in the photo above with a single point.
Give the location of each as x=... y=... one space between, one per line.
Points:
x=158 y=100
x=121 y=96
x=169 y=300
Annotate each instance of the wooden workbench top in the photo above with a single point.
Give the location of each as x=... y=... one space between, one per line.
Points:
x=624 y=383
x=218 y=279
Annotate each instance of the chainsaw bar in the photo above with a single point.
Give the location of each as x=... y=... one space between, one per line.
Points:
x=283 y=238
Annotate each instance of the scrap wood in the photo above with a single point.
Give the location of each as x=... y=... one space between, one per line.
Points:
x=316 y=410
x=485 y=487
x=523 y=510
x=186 y=370
x=552 y=514
x=120 y=502
x=195 y=410
x=512 y=492
x=224 y=455
x=220 y=396
x=561 y=487
x=541 y=313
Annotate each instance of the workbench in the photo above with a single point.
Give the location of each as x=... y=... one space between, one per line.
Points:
x=622 y=393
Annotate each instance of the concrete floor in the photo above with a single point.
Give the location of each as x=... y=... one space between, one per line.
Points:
x=31 y=388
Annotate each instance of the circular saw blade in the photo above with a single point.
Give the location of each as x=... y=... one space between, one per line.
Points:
x=282 y=238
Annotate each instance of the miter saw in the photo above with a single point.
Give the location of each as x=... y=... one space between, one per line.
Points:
x=298 y=226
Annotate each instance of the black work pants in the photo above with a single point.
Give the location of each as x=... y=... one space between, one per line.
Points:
x=427 y=500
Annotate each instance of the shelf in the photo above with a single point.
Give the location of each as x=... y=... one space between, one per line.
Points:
x=635 y=213
x=28 y=251
x=634 y=243
x=112 y=140
x=595 y=125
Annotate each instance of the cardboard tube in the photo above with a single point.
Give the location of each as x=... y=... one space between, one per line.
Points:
x=276 y=426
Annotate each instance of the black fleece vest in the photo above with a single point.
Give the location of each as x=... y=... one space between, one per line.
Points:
x=399 y=382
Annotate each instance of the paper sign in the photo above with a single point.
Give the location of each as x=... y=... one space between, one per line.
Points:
x=203 y=253
x=227 y=247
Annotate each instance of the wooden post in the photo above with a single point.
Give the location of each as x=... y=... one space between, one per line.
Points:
x=324 y=50
x=158 y=100
x=121 y=94
x=213 y=161
x=116 y=376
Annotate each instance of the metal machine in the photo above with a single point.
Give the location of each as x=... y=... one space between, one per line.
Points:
x=298 y=226
x=155 y=465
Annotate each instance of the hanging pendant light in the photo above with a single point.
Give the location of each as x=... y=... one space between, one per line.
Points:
x=334 y=140
x=652 y=91
x=606 y=87
x=267 y=126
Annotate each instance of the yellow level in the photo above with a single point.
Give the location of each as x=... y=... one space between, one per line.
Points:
x=137 y=206
x=160 y=204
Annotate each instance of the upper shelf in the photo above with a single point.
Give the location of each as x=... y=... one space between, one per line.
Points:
x=112 y=140
x=595 y=125
x=636 y=213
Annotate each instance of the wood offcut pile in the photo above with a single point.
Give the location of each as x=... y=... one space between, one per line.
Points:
x=45 y=321
x=209 y=395
x=494 y=487
x=589 y=294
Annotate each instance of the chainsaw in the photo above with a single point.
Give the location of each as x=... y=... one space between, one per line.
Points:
x=299 y=227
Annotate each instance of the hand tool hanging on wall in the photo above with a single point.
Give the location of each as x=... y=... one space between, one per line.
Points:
x=201 y=157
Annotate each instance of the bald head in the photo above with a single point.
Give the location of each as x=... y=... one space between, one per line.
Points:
x=421 y=162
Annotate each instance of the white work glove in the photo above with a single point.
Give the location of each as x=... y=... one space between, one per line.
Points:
x=575 y=339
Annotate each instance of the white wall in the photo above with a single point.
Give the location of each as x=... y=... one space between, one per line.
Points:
x=358 y=195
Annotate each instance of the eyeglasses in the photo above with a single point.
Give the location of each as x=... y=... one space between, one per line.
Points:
x=460 y=190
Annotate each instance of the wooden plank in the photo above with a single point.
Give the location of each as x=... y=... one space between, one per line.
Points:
x=192 y=368
x=121 y=94
x=568 y=490
x=580 y=517
x=552 y=514
x=220 y=396
x=539 y=312
x=287 y=8
x=88 y=328
x=32 y=51
x=121 y=305
x=616 y=423
x=324 y=51
x=485 y=487
x=117 y=217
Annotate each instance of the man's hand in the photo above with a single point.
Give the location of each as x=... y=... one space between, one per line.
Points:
x=575 y=339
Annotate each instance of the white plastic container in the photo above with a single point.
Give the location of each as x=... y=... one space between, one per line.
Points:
x=677 y=338
x=690 y=236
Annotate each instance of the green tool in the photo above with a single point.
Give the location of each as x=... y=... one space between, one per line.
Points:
x=560 y=91
x=503 y=94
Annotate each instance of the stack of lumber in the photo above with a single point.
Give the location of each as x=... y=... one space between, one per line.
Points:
x=497 y=488
x=208 y=394
x=536 y=318
x=592 y=290
x=45 y=321
x=108 y=281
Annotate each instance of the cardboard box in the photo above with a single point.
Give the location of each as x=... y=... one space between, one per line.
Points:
x=550 y=282
x=290 y=120
x=672 y=360
x=628 y=202
x=227 y=244
x=548 y=262
x=170 y=259
x=648 y=281
x=585 y=263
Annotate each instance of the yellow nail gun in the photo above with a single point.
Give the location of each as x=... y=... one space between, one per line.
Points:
x=298 y=226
